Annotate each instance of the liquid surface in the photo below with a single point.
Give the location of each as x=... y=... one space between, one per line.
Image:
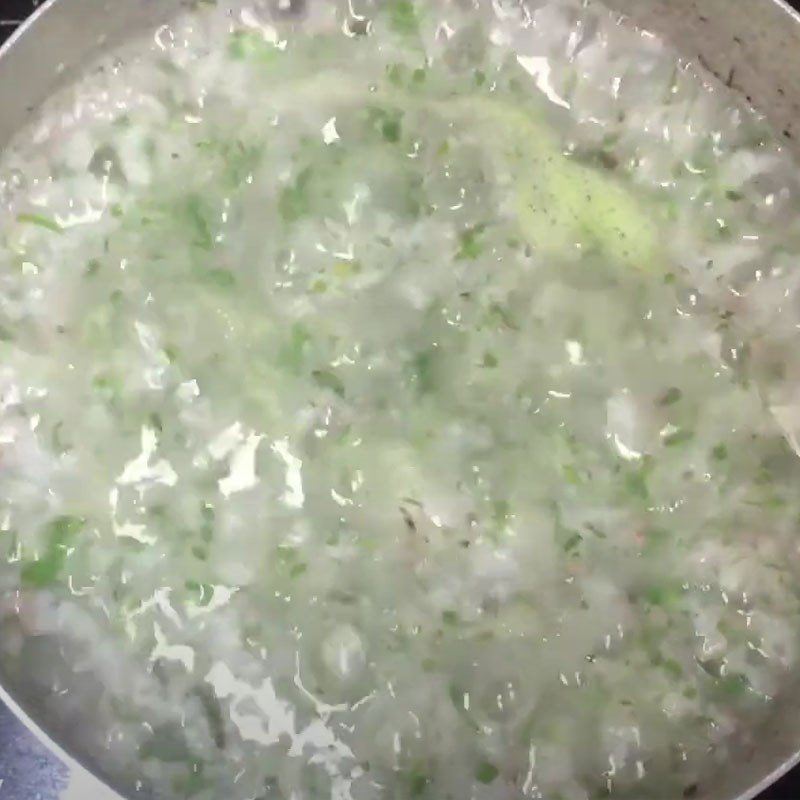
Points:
x=398 y=402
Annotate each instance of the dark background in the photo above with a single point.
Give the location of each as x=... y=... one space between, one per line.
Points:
x=27 y=772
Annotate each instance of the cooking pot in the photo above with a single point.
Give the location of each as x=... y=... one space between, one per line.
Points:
x=753 y=46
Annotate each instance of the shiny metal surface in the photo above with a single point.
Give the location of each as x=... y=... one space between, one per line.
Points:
x=751 y=45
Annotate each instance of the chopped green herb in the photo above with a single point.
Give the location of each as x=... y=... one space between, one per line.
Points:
x=198 y=218
x=470 y=244
x=417 y=784
x=204 y=592
x=636 y=484
x=297 y=569
x=328 y=380
x=663 y=594
x=292 y=354
x=450 y=617
x=388 y=122
x=286 y=554
x=294 y=201
x=672 y=667
x=395 y=73
x=422 y=370
x=572 y=543
x=720 y=452
x=251 y=44
x=46 y=569
x=92 y=267
x=500 y=316
x=391 y=129
x=486 y=772
x=403 y=17
x=41 y=221
x=735 y=685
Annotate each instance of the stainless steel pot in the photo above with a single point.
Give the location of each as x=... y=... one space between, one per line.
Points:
x=751 y=45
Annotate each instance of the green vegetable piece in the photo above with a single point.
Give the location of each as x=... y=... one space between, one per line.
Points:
x=221 y=278
x=598 y=532
x=672 y=667
x=204 y=592
x=450 y=617
x=403 y=17
x=237 y=160
x=328 y=380
x=417 y=784
x=500 y=316
x=297 y=569
x=388 y=122
x=155 y=422
x=294 y=201
x=41 y=221
x=391 y=130
x=562 y=203
x=670 y=397
x=57 y=440
x=501 y=510
x=663 y=595
x=422 y=370
x=292 y=354
x=109 y=387
x=636 y=485
x=573 y=543
x=198 y=218
x=251 y=45
x=733 y=686
x=678 y=438
x=470 y=244
x=344 y=269
x=286 y=554
x=490 y=361
x=46 y=570
x=92 y=268
x=395 y=74
x=569 y=204
x=720 y=452
x=486 y=772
